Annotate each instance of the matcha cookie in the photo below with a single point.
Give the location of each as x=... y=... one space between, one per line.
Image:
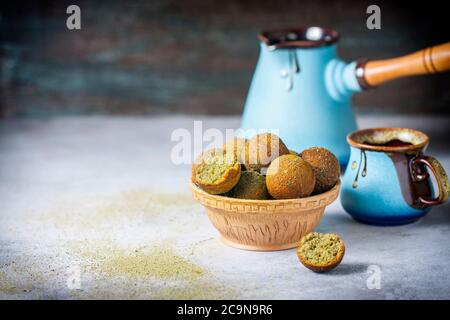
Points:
x=251 y=185
x=216 y=171
x=262 y=149
x=321 y=252
x=289 y=177
x=325 y=166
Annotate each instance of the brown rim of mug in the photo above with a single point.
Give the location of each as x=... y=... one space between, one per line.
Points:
x=353 y=136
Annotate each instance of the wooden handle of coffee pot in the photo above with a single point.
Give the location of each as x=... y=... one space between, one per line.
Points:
x=427 y=61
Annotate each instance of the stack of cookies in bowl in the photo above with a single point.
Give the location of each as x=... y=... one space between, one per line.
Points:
x=263 y=168
x=262 y=196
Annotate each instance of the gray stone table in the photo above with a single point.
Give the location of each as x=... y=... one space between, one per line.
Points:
x=93 y=207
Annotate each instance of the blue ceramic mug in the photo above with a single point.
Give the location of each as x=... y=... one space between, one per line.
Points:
x=386 y=181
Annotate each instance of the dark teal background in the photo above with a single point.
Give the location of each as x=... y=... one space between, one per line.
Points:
x=192 y=56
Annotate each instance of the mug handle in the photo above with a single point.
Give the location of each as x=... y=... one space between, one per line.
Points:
x=438 y=172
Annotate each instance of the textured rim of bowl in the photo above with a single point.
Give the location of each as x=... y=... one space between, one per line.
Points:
x=307 y=202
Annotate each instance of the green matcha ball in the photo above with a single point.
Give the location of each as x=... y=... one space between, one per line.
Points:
x=251 y=185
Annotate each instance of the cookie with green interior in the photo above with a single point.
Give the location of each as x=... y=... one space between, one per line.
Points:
x=261 y=149
x=321 y=252
x=293 y=152
x=216 y=171
x=325 y=166
x=290 y=177
x=204 y=157
x=251 y=185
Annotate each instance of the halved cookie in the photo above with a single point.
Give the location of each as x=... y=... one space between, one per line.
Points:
x=216 y=171
x=321 y=252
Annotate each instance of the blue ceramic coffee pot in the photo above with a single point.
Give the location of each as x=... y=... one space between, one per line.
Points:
x=303 y=91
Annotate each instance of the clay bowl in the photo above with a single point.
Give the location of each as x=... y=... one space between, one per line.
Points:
x=264 y=225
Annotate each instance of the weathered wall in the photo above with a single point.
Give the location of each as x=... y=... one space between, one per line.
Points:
x=192 y=56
